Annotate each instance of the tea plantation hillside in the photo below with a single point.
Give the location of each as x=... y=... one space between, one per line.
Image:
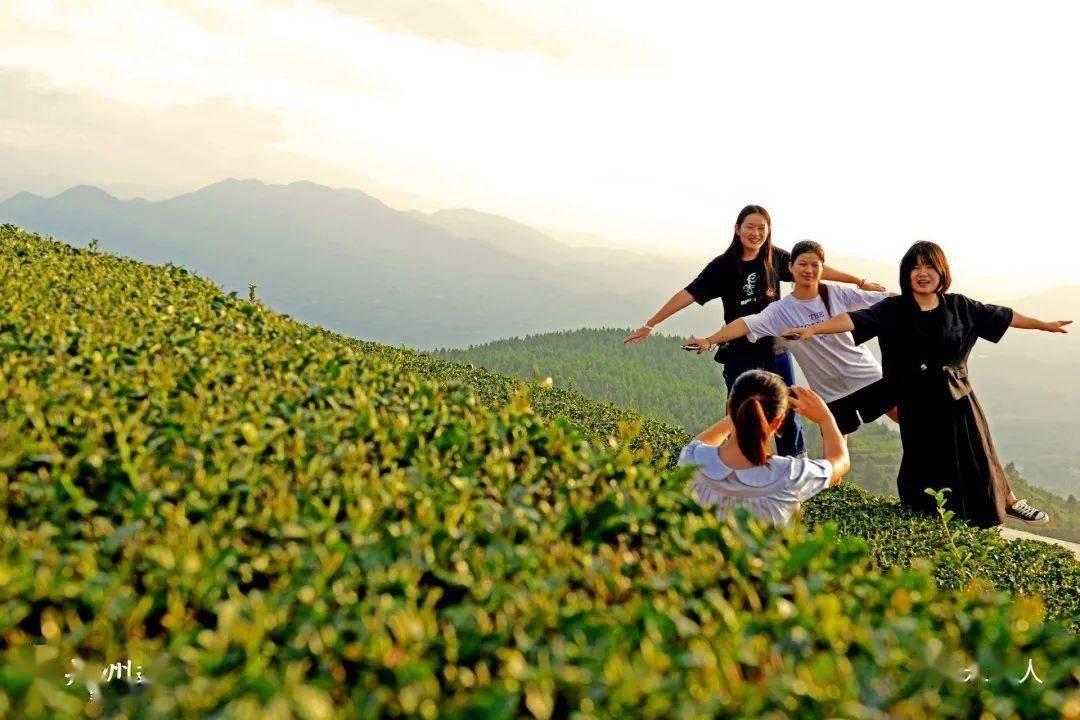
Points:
x=682 y=389
x=659 y=380
x=896 y=535
x=654 y=377
x=271 y=521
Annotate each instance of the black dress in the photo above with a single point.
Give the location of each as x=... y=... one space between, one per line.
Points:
x=943 y=430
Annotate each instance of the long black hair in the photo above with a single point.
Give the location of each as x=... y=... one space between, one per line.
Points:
x=734 y=250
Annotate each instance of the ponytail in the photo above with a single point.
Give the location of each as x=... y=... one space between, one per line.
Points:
x=752 y=430
x=756 y=399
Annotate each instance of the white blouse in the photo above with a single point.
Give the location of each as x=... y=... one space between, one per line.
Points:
x=773 y=492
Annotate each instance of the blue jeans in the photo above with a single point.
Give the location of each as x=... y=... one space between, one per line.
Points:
x=789 y=441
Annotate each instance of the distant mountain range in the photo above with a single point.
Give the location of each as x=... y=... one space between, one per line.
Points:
x=346 y=261
x=343 y=259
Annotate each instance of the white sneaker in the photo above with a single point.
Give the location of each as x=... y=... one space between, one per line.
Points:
x=1022 y=511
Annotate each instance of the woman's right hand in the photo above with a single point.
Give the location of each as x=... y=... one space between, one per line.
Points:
x=803 y=333
x=638 y=335
x=809 y=404
x=1056 y=326
x=699 y=344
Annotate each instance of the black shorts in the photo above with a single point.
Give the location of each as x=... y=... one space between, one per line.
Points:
x=868 y=403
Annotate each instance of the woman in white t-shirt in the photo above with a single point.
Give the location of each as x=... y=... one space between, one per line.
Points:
x=743 y=473
x=846 y=375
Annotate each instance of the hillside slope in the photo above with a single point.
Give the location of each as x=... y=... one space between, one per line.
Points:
x=898 y=537
x=272 y=520
x=343 y=259
x=660 y=380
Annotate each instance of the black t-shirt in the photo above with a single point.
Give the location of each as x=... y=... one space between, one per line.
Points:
x=741 y=286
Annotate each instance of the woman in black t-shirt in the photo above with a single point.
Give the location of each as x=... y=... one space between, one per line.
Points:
x=746 y=278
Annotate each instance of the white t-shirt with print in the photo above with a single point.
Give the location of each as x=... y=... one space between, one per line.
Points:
x=833 y=364
x=773 y=492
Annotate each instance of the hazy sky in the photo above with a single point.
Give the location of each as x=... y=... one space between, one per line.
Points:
x=862 y=125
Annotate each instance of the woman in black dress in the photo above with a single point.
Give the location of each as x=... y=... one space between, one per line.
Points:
x=746 y=277
x=926 y=335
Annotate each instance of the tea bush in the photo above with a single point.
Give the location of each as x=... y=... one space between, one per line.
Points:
x=273 y=522
x=657 y=379
x=895 y=535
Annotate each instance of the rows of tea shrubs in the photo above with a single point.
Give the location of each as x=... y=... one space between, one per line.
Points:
x=271 y=523
x=659 y=380
x=895 y=535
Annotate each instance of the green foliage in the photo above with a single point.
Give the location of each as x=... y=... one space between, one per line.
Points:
x=965 y=562
x=900 y=537
x=654 y=377
x=663 y=382
x=275 y=522
x=1064 y=512
x=897 y=536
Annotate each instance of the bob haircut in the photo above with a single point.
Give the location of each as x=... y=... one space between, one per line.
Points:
x=929 y=254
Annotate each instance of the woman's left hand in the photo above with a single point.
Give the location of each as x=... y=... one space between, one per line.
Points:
x=871 y=286
x=1057 y=326
x=703 y=344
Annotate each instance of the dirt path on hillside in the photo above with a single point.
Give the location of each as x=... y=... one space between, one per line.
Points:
x=1013 y=534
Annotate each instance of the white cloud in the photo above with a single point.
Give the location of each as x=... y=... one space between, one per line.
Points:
x=556 y=30
x=862 y=125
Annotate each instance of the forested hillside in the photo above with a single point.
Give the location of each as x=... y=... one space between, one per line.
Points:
x=658 y=379
x=272 y=520
x=654 y=377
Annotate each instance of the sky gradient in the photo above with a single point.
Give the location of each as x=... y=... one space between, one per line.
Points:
x=859 y=125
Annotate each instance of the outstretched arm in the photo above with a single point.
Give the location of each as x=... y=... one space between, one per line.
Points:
x=734 y=329
x=808 y=403
x=716 y=434
x=828 y=273
x=836 y=324
x=1023 y=322
x=678 y=301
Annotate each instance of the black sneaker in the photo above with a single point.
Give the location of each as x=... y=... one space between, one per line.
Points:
x=1022 y=511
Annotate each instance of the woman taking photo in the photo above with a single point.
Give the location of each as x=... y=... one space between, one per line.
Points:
x=846 y=375
x=742 y=473
x=746 y=277
x=926 y=335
